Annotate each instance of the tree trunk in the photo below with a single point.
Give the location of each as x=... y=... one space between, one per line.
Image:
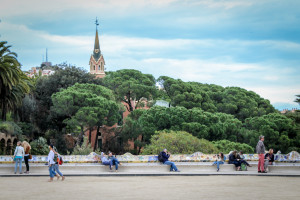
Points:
x=90 y=135
x=3 y=117
x=80 y=137
x=140 y=146
x=96 y=138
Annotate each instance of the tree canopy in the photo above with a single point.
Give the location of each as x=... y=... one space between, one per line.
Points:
x=130 y=86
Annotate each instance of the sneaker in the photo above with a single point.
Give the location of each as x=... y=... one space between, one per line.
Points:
x=218 y=170
x=263 y=172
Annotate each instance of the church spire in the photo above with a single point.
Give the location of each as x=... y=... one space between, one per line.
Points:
x=97 y=51
x=97 y=61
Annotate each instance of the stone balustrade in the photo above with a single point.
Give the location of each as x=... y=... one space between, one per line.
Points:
x=129 y=158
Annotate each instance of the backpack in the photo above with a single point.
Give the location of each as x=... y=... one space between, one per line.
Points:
x=243 y=167
x=60 y=160
x=55 y=157
x=160 y=157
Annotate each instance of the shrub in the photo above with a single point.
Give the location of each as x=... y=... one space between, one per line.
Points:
x=39 y=147
x=84 y=149
x=178 y=142
x=226 y=146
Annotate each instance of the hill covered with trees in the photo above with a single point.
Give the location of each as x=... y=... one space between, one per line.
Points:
x=72 y=101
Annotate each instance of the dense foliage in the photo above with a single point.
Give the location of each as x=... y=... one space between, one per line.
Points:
x=226 y=146
x=178 y=142
x=72 y=101
x=213 y=98
x=130 y=86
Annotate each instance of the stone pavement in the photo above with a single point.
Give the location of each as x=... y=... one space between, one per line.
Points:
x=188 y=188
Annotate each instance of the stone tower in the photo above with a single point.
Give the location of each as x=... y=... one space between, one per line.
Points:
x=97 y=61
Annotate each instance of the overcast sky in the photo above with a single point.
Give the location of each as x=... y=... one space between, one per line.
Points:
x=252 y=44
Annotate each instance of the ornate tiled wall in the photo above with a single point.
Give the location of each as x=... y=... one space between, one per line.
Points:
x=127 y=157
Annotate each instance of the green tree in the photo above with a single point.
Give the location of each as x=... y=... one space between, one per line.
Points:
x=213 y=98
x=14 y=83
x=279 y=131
x=85 y=105
x=178 y=142
x=130 y=86
x=65 y=76
x=226 y=146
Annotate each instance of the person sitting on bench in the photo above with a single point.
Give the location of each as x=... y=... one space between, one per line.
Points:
x=233 y=160
x=165 y=156
x=114 y=160
x=241 y=157
x=106 y=161
x=269 y=158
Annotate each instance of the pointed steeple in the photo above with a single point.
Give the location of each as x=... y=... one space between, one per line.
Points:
x=97 y=51
x=97 y=44
x=97 y=61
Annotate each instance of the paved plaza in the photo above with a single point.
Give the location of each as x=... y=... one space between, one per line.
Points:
x=147 y=187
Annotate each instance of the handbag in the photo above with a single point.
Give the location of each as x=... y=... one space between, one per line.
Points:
x=30 y=157
x=16 y=154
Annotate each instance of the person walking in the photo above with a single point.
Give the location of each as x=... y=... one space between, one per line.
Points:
x=51 y=163
x=165 y=160
x=260 y=150
x=18 y=156
x=27 y=148
x=57 y=158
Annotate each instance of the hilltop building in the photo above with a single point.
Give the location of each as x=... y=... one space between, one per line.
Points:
x=97 y=60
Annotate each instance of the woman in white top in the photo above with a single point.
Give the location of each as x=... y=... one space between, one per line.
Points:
x=18 y=156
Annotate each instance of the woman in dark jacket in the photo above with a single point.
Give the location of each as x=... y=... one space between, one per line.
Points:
x=233 y=160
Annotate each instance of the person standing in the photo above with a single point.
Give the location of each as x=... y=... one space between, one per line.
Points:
x=18 y=156
x=260 y=150
x=51 y=163
x=165 y=156
x=27 y=148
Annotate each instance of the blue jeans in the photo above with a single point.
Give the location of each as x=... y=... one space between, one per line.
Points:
x=18 y=161
x=108 y=163
x=173 y=166
x=218 y=163
x=115 y=162
x=56 y=169
x=51 y=171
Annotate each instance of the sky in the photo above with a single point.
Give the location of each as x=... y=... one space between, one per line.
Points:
x=251 y=44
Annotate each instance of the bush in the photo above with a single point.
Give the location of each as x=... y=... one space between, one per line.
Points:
x=10 y=128
x=39 y=147
x=84 y=149
x=178 y=142
x=226 y=146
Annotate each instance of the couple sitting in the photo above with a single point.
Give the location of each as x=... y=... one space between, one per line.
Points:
x=111 y=160
x=237 y=160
